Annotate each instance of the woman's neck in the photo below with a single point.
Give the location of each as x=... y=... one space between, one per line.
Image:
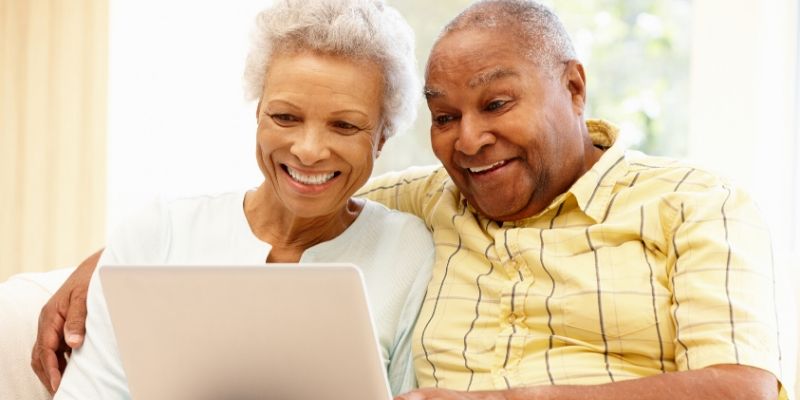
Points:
x=273 y=223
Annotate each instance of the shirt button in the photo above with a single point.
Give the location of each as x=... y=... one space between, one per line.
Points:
x=512 y=319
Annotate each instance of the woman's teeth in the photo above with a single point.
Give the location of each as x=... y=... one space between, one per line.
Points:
x=476 y=170
x=318 y=179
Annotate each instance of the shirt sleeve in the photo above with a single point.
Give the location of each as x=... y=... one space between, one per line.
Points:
x=95 y=369
x=723 y=283
x=409 y=191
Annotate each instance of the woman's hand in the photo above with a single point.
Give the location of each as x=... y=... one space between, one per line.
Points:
x=62 y=324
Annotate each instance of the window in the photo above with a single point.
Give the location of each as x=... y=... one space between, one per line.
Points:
x=636 y=55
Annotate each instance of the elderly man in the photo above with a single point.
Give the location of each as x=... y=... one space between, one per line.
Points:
x=566 y=267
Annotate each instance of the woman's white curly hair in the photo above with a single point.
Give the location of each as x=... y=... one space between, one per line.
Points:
x=367 y=30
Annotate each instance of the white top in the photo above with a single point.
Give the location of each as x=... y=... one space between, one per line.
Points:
x=393 y=250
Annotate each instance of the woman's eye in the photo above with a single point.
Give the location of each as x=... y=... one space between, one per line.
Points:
x=442 y=119
x=345 y=125
x=494 y=105
x=283 y=118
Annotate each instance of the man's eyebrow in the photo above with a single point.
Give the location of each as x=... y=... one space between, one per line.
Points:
x=487 y=77
x=480 y=79
x=430 y=93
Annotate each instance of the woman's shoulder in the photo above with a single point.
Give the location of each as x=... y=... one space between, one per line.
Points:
x=204 y=204
x=170 y=211
x=152 y=229
x=380 y=217
x=394 y=233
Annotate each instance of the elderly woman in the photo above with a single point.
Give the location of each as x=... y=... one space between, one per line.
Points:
x=334 y=79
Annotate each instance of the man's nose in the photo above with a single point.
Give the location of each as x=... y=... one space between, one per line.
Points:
x=311 y=145
x=473 y=135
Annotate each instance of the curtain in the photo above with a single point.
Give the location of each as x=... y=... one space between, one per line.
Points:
x=53 y=84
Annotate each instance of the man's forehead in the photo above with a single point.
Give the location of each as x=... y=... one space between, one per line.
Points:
x=487 y=76
x=482 y=78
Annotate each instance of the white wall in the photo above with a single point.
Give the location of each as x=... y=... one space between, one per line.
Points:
x=178 y=123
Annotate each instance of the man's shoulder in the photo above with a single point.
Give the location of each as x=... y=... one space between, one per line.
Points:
x=396 y=180
x=672 y=174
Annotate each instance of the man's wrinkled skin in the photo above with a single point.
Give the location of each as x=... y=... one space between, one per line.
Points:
x=62 y=324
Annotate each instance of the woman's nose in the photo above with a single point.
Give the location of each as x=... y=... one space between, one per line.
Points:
x=311 y=146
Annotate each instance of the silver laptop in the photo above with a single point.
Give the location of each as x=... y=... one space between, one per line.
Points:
x=277 y=332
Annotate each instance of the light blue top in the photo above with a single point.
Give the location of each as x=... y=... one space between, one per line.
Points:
x=393 y=250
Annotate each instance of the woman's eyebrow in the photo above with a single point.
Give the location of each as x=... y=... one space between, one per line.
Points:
x=351 y=111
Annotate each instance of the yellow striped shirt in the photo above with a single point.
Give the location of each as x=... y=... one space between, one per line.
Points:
x=646 y=265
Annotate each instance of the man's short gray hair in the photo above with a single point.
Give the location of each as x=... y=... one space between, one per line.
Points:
x=546 y=40
x=367 y=30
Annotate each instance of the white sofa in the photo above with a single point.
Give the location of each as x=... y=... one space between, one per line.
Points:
x=22 y=296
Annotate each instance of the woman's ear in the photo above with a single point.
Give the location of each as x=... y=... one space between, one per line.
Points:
x=258 y=110
x=379 y=147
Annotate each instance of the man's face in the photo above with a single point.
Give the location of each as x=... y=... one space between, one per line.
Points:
x=510 y=134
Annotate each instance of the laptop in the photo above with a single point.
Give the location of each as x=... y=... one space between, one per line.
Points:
x=276 y=332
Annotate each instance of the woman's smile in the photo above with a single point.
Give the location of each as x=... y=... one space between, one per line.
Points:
x=309 y=182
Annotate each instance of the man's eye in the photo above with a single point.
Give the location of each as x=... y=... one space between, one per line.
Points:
x=494 y=105
x=443 y=119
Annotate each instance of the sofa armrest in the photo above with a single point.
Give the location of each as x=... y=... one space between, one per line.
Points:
x=21 y=298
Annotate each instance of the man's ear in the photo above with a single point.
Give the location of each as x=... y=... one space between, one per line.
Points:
x=575 y=80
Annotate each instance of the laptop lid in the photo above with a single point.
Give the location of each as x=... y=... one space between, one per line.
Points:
x=278 y=332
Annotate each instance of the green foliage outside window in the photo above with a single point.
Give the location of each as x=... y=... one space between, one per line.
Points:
x=636 y=54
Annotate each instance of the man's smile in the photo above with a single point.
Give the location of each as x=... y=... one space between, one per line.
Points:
x=487 y=168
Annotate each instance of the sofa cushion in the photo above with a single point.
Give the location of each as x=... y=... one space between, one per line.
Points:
x=21 y=298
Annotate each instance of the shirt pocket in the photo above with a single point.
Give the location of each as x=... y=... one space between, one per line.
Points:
x=607 y=317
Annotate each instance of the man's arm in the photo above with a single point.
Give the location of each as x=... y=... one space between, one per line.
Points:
x=408 y=191
x=62 y=325
x=728 y=382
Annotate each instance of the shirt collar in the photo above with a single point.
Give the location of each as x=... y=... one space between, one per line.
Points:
x=593 y=190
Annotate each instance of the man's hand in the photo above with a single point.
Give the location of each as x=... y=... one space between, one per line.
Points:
x=62 y=325
x=441 y=394
x=718 y=382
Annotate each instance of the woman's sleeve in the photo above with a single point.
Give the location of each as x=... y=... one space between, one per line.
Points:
x=401 y=368
x=94 y=370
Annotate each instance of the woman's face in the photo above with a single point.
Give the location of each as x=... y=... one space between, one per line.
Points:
x=318 y=130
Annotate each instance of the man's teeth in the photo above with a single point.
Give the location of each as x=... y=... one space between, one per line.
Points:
x=486 y=167
x=309 y=179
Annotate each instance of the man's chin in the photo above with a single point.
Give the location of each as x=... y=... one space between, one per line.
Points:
x=497 y=210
